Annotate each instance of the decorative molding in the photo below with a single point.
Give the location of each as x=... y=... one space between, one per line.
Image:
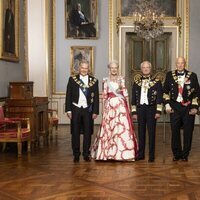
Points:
x=26 y=60
x=110 y=29
x=187 y=31
x=47 y=9
x=118 y=23
x=178 y=23
x=54 y=46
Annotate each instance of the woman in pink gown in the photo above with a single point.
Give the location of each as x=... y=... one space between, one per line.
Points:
x=116 y=138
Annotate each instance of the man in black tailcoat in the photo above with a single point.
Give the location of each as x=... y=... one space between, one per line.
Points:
x=181 y=91
x=82 y=107
x=146 y=108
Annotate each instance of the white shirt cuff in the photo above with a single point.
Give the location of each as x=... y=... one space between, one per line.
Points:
x=167 y=107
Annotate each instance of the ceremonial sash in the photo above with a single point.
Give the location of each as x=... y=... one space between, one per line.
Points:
x=84 y=88
x=114 y=91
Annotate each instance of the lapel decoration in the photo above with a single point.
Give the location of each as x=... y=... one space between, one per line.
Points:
x=83 y=86
x=152 y=82
x=187 y=76
x=175 y=77
x=139 y=82
x=91 y=82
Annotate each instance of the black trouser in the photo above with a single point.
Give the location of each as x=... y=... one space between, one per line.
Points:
x=146 y=117
x=181 y=119
x=81 y=122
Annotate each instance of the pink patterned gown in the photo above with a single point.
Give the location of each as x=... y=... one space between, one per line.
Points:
x=116 y=138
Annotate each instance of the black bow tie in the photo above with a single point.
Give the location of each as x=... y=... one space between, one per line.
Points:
x=180 y=73
x=145 y=77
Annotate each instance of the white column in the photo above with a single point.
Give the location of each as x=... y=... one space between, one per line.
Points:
x=37 y=46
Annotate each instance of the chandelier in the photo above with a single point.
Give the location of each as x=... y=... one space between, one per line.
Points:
x=148 y=19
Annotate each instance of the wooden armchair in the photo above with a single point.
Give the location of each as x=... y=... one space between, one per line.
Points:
x=15 y=130
x=53 y=121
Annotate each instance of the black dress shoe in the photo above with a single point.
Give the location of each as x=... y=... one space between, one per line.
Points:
x=185 y=159
x=151 y=160
x=87 y=158
x=139 y=158
x=76 y=159
x=176 y=158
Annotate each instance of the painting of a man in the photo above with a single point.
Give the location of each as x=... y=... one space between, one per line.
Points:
x=9 y=28
x=81 y=19
x=79 y=53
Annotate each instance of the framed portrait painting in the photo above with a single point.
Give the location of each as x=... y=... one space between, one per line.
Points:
x=9 y=30
x=81 y=19
x=78 y=53
x=127 y=7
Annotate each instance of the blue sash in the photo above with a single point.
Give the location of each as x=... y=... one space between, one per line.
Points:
x=84 y=88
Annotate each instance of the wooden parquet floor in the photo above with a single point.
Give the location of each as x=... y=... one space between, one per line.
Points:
x=49 y=173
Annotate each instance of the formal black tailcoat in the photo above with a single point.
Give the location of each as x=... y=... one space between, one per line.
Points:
x=82 y=121
x=181 y=117
x=72 y=94
x=146 y=113
x=154 y=94
x=190 y=89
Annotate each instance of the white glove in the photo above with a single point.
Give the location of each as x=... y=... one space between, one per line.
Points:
x=168 y=108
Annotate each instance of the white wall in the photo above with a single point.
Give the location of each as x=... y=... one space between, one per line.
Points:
x=37 y=46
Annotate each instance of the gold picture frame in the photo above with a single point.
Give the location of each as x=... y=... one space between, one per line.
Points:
x=81 y=19
x=126 y=8
x=78 y=53
x=9 y=34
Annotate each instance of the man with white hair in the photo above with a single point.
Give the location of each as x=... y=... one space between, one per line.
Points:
x=146 y=108
x=181 y=90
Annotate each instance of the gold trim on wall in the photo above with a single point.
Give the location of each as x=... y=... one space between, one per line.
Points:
x=26 y=60
x=54 y=46
x=119 y=2
x=187 y=32
x=182 y=43
x=53 y=49
x=110 y=29
x=12 y=57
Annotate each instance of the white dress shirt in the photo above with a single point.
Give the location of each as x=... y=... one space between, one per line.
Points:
x=82 y=16
x=144 y=91
x=82 y=101
x=181 y=80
